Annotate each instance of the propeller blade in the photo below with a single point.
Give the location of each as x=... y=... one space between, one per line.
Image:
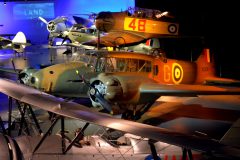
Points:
x=103 y=101
x=13 y=64
x=43 y=20
x=98 y=95
x=17 y=72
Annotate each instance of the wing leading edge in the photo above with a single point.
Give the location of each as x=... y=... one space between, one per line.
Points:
x=72 y=110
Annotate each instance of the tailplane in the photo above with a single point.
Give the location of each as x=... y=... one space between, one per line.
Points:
x=20 y=42
x=19 y=38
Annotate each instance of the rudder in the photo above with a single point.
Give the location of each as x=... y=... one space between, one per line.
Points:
x=205 y=66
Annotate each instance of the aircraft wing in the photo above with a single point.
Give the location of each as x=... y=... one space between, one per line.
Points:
x=187 y=90
x=78 y=45
x=26 y=44
x=117 y=38
x=10 y=70
x=4 y=41
x=72 y=110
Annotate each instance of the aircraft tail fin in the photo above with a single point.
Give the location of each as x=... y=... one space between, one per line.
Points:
x=19 y=38
x=206 y=72
x=205 y=66
x=20 y=42
x=153 y=42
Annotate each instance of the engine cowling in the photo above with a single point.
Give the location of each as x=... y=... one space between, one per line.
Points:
x=51 y=26
x=116 y=89
x=107 y=87
x=54 y=26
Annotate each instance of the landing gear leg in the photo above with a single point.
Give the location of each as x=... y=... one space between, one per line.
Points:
x=153 y=149
x=187 y=153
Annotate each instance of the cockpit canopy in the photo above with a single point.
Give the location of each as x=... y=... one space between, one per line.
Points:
x=116 y=64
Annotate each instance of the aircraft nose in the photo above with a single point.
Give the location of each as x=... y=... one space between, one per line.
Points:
x=104 y=21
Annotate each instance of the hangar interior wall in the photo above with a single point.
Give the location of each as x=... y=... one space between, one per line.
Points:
x=23 y=16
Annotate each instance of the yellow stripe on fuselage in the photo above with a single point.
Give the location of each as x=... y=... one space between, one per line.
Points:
x=150 y=26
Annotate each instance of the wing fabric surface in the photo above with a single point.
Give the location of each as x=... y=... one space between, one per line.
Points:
x=187 y=90
x=72 y=110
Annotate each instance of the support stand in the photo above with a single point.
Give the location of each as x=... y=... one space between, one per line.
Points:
x=77 y=138
x=2 y=126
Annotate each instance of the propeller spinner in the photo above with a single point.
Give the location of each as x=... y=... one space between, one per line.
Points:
x=52 y=26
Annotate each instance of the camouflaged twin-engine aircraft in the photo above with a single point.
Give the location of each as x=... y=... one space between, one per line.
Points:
x=187 y=97
x=127 y=73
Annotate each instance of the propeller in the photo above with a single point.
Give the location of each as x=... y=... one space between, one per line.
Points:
x=52 y=25
x=96 y=92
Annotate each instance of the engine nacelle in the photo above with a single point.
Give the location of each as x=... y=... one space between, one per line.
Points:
x=25 y=76
x=52 y=26
x=117 y=88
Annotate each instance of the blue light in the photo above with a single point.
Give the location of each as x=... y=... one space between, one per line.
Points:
x=94 y=6
x=21 y=16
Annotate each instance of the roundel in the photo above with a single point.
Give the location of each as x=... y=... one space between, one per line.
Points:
x=172 y=28
x=177 y=73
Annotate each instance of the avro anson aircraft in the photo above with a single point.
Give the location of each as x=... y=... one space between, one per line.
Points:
x=131 y=84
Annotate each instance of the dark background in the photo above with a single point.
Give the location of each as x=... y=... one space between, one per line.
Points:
x=215 y=21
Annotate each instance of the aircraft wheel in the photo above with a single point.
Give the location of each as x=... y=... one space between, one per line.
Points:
x=9 y=149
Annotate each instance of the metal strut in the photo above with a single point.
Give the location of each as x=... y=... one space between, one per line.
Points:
x=2 y=126
x=63 y=134
x=46 y=134
x=77 y=138
x=187 y=152
x=153 y=149
x=35 y=119
x=22 y=121
x=9 y=115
